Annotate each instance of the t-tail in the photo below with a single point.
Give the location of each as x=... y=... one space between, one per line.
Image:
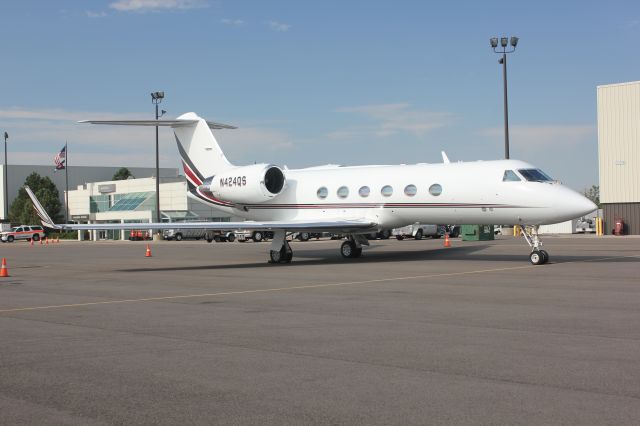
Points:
x=40 y=211
x=199 y=151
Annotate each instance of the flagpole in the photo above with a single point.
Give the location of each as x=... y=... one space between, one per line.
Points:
x=66 y=179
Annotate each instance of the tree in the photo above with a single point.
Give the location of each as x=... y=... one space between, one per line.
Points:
x=22 y=211
x=593 y=194
x=123 y=174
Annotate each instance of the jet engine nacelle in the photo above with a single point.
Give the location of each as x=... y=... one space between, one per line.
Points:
x=246 y=185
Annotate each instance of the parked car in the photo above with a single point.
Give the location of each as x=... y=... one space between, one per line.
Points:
x=418 y=231
x=139 y=235
x=182 y=234
x=23 y=232
x=220 y=236
x=256 y=236
x=382 y=235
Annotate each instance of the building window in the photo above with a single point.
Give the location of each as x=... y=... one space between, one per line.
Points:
x=364 y=191
x=435 y=189
x=410 y=190
x=386 y=191
x=322 y=192
x=343 y=192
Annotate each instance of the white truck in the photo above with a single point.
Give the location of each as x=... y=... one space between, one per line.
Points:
x=418 y=231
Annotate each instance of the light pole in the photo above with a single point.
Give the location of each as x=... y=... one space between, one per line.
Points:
x=504 y=44
x=6 y=187
x=156 y=98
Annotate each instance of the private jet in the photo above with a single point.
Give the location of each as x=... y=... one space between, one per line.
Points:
x=355 y=201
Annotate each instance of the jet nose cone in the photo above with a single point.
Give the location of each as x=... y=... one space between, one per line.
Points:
x=582 y=205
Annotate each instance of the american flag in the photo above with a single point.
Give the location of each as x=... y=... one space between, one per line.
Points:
x=60 y=158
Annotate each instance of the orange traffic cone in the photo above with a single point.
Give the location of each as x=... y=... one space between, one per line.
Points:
x=148 y=254
x=58 y=240
x=47 y=242
x=3 y=270
x=447 y=242
x=41 y=243
x=31 y=242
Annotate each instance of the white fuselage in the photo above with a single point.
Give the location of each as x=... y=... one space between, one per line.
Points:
x=472 y=193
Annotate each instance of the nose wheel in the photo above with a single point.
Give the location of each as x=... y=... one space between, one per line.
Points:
x=349 y=250
x=537 y=255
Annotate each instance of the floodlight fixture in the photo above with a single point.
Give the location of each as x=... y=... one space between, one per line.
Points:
x=514 y=42
x=494 y=42
x=504 y=41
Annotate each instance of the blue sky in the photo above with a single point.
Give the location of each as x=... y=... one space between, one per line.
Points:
x=309 y=83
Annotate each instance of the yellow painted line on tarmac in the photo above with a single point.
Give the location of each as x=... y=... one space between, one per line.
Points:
x=300 y=287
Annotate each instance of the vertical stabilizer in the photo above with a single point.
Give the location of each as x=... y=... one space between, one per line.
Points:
x=200 y=152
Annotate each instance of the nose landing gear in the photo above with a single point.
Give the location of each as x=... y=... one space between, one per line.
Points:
x=537 y=256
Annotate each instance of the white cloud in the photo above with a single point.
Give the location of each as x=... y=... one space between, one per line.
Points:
x=94 y=14
x=534 y=137
x=156 y=5
x=233 y=22
x=35 y=136
x=391 y=119
x=278 y=26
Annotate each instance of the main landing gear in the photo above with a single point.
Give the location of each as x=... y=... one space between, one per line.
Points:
x=280 y=251
x=537 y=255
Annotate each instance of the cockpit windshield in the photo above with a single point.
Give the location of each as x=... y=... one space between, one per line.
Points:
x=534 y=175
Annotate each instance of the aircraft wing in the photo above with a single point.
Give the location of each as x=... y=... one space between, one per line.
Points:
x=338 y=226
x=166 y=123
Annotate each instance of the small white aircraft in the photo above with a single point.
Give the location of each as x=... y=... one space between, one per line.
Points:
x=356 y=200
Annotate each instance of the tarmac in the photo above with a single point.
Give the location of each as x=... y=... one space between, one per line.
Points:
x=411 y=333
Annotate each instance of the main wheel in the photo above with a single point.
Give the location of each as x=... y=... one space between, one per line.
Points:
x=280 y=256
x=545 y=256
x=36 y=237
x=257 y=236
x=303 y=236
x=536 y=258
x=348 y=249
x=418 y=235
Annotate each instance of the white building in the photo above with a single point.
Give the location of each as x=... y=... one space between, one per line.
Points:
x=78 y=175
x=134 y=201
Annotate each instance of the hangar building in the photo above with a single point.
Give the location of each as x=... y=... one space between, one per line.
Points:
x=619 y=154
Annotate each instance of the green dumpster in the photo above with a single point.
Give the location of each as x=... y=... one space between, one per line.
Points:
x=477 y=232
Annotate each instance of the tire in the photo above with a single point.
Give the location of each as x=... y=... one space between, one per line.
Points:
x=436 y=236
x=178 y=237
x=418 y=235
x=545 y=256
x=357 y=253
x=10 y=238
x=303 y=236
x=399 y=237
x=197 y=238
x=36 y=237
x=231 y=238
x=257 y=236
x=349 y=250
x=280 y=256
x=536 y=258
x=209 y=240
x=384 y=235
x=217 y=238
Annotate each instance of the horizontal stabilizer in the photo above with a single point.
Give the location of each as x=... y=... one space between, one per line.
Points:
x=153 y=123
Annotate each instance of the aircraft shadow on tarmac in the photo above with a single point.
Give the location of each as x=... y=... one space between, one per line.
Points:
x=331 y=257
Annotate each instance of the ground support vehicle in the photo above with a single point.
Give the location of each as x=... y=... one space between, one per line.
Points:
x=23 y=232
x=585 y=225
x=381 y=235
x=418 y=231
